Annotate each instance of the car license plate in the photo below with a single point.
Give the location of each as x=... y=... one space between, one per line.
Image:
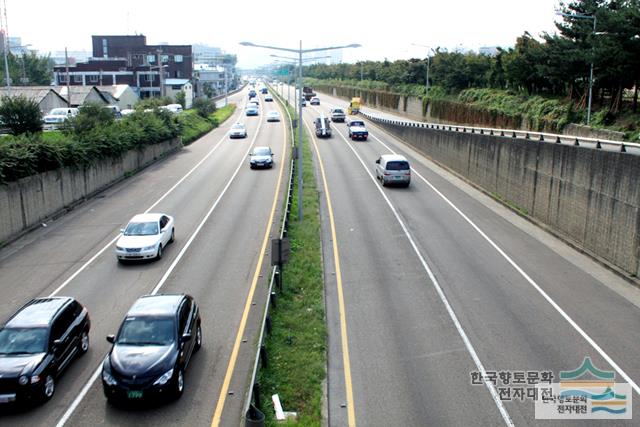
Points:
x=397 y=177
x=6 y=398
x=134 y=394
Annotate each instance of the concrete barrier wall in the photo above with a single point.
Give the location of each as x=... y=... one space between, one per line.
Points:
x=28 y=201
x=590 y=197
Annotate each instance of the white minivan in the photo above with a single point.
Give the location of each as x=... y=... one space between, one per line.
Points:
x=393 y=169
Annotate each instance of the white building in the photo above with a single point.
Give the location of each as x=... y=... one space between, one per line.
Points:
x=173 y=86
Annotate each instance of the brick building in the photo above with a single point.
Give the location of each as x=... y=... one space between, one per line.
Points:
x=129 y=60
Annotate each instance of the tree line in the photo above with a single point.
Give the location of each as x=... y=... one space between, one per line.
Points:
x=555 y=65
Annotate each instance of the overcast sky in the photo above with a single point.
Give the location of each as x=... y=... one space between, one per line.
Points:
x=384 y=29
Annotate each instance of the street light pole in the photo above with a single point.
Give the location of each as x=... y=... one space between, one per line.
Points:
x=595 y=20
x=299 y=51
x=429 y=49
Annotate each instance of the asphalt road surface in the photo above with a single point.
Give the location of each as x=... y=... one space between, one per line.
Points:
x=224 y=212
x=439 y=281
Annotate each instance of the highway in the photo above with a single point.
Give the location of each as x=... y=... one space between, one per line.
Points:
x=224 y=214
x=433 y=282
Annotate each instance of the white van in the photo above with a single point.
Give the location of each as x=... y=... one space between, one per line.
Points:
x=393 y=169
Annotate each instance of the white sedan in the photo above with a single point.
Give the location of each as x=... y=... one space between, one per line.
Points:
x=145 y=237
x=238 y=130
x=273 y=116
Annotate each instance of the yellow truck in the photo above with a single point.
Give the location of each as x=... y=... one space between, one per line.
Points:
x=354 y=106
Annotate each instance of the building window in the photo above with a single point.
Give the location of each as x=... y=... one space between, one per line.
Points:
x=151 y=59
x=105 y=50
x=62 y=78
x=77 y=79
x=178 y=74
x=93 y=78
x=178 y=58
x=176 y=87
x=148 y=77
x=165 y=58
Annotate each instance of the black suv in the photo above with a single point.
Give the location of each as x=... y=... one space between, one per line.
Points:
x=37 y=343
x=152 y=349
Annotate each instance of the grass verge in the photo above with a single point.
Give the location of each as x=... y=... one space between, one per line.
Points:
x=296 y=346
x=194 y=125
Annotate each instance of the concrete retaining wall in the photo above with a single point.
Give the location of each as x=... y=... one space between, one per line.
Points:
x=27 y=202
x=590 y=197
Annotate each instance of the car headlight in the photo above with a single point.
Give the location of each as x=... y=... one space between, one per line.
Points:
x=35 y=379
x=118 y=248
x=23 y=380
x=108 y=378
x=164 y=378
x=149 y=248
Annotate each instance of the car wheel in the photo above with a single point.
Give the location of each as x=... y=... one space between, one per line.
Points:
x=198 y=338
x=84 y=342
x=384 y=184
x=178 y=387
x=159 y=254
x=173 y=235
x=49 y=388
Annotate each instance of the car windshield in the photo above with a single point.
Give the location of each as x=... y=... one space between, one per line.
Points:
x=238 y=126
x=397 y=166
x=338 y=111
x=147 y=330
x=357 y=123
x=141 y=229
x=15 y=341
x=273 y=113
x=261 y=151
x=58 y=112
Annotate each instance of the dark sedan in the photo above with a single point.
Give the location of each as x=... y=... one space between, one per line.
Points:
x=37 y=344
x=153 y=348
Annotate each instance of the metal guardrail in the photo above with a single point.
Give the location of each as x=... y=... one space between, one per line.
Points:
x=251 y=413
x=530 y=135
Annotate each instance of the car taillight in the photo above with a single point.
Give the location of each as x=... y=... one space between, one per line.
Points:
x=387 y=174
x=407 y=173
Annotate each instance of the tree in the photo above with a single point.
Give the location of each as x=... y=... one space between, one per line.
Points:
x=91 y=116
x=29 y=69
x=181 y=99
x=20 y=115
x=204 y=106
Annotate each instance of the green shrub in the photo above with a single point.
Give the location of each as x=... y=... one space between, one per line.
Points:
x=204 y=106
x=20 y=115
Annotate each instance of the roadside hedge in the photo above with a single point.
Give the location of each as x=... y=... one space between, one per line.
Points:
x=29 y=154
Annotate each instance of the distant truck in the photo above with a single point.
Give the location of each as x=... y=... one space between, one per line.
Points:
x=354 y=106
x=323 y=129
x=357 y=130
x=308 y=93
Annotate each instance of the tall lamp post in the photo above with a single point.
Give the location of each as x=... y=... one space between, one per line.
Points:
x=291 y=60
x=595 y=20
x=300 y=52
x=430 y=49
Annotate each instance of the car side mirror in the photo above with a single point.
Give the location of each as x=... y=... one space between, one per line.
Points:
x=186 y=337
x=111 y=338
x=378 y=161
x=57 y=343
x=122 y=230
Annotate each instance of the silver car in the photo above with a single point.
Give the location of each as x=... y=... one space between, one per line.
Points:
x=238 y=130
x=393 y=169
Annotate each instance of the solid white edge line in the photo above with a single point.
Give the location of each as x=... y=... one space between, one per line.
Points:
x=101 y=251
x=85 y=390
x=537 y=287
x=443 y=298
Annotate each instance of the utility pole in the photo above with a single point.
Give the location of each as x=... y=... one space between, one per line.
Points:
x=66 y=64
x=160 y=72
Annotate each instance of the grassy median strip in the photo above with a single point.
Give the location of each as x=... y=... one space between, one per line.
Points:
x=296 y=346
